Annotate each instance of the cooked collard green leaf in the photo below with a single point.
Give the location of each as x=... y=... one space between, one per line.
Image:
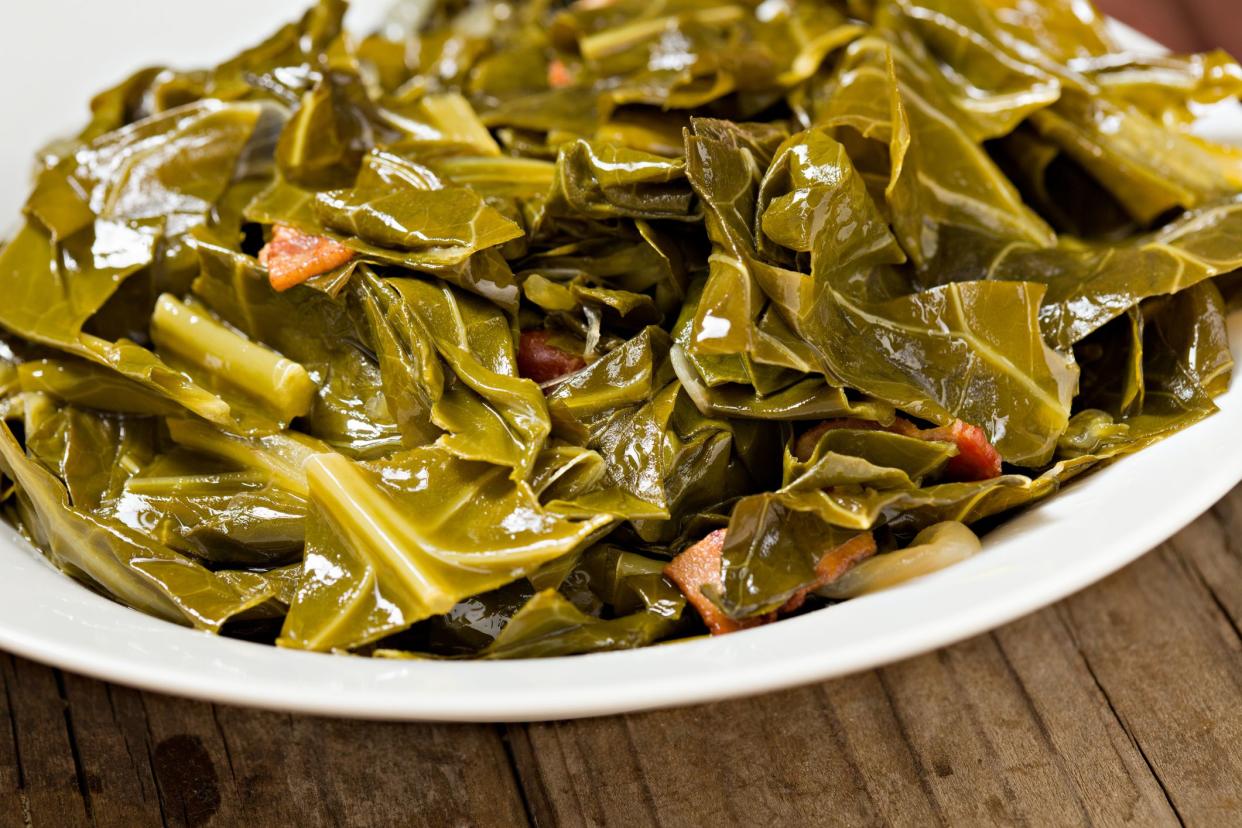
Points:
x=531 y=330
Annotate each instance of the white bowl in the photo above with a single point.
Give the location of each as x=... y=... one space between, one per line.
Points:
x=1093 y=528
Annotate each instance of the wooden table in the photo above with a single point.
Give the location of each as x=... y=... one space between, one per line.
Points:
x=1121 y=705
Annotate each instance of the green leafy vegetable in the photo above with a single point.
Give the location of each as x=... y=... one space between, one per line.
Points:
x=411 y=537
x=531 y=330
x=124 y=563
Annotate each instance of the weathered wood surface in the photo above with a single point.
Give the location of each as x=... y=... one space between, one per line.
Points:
x=1120 y=706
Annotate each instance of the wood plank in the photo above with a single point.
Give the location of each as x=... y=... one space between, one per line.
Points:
x=191 y=763
x=877 y=746
x=771 y=760
x=43 y=758
x=126 y=758
x=14 y=803
x=1167 y=660
x=1113 y=781
x=336 y=772
x=110 y=729
x=248 y=765
x=988 y=748
x=1213 y=545
x=1001 y=729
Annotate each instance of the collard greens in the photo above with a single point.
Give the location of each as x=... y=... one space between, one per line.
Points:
x=547 y=328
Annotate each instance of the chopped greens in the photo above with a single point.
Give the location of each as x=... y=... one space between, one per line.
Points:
x=527 y=330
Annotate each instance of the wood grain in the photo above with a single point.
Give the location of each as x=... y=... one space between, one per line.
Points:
x=1191 y=654
x=39 y=753
x=81 y=752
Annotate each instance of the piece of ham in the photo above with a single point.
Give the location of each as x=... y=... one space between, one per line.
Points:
x=977 y=458
x=539 y=360
x=291 y=256
x=835 y=563
x=804 y=447
x=559 y=75
x=699 y=566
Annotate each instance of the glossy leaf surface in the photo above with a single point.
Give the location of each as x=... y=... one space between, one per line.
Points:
x=532 y=330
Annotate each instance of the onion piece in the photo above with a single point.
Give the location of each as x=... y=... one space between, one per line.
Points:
x=934 y=548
